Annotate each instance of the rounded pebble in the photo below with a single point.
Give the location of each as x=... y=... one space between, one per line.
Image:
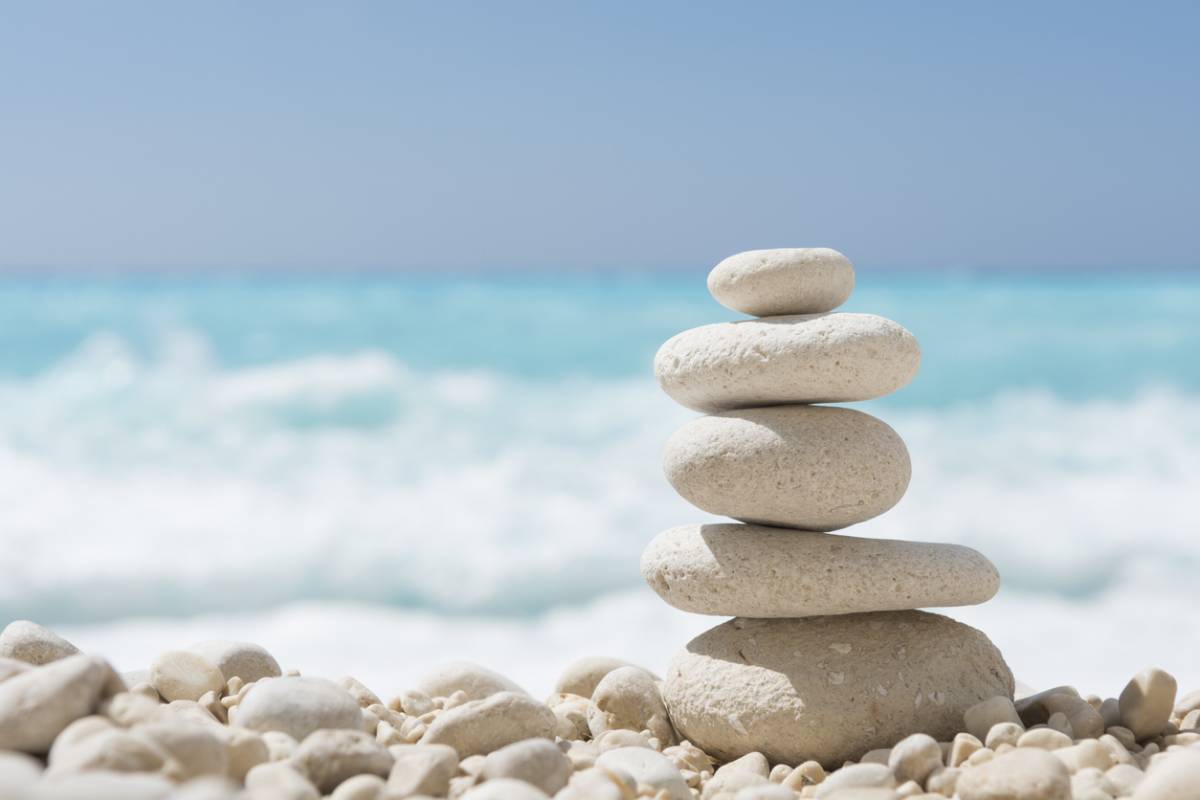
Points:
x=791 y=280
x=474 y=681
x=1020 y=774
x=1146 y=702
x=37 y=704
x=328 y=757
x=536 y=761
x=297 y=706
x=183 y=675
x=29 y=642
x=244 y=660
x=628 y=698
x=649 y=769
x=581 y=676
x=481 y=726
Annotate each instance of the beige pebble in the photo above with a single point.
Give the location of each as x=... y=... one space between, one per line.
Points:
x=789 y=280
x=1003 y=733
x=581 y=676
x=1085 y=722
x=1024 y=773
x=914 y=757
x=328 y=757
x=610 y=740
x=1190 y=720
x=628 y=698
x=243 y=660
x=1090 y=783
x=183 y=675
x=1189 y=702
x=879 y=755
x=943 y=780
x=857 y=776
x=1058 y=721
x=1110 y=712
x=245 y=749
x=195 y=748
x=1086 y=753
x=481 y=726
x=650 y=769
x=1174 y=777
x=114 y=750
x=822 y=358
x=778 y=773
x=280 y=746
x=980 y=756
x=810 y=467
x=759 y=571
x=38 y=703
x=729 y=784
x=536 y=761
x=767 y=792
x=505 y=789
x=572 y=713
x=18 y=772
x=980 y=717
x=1044 y=739
x=755 y=763
x=360 y=787
x=1146 y=702
x=422 y=769
x=29 y=642
x=963 y=746
x=1124 y=778
x=279 y=780
x=599 y=784
x=11 y=666
x=686 y=756
x=474 y=681
x=297 y=706
x=102 y=785
x=361 y=694
x=77 y=731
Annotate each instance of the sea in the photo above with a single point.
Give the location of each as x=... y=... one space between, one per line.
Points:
x=373 y=474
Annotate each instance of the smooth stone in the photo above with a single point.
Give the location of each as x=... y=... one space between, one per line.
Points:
x=474 y=681
x=822 y=358
x=581 y=676
x=18 y=772
x=650 y=769
x=101 y=785
x=505 y=789
x=628 y=698
x=857 y=776
x=914 y=757
x=182 y=675
x=536 y=761
x=788 y=280
x=12 y=666
x=36 y=705
x=791 y=689
x=980 y=717
x=113 y=750
x=278 y=780
x=422 y=769
x=297 y=706
x=809 y=467
x=1146 y=702
x=244 y=660
x=758 y=571
x=29 y=642
x=360 y=787
x=197 y=749
x=1021 y=774
x=481 y=726
x=1176 y=776
x=328 y=757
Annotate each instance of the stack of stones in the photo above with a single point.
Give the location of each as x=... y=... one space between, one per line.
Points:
x=826 y=657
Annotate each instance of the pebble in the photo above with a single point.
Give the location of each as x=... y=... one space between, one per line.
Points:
x=780 y=687
x=755 y=763
x=809 y=467
x=572 y=714
x=243 y=660
x=980 y=717
x=1174 y=777
x=114 y=750
x=914 y=757
x=650 y=769
x=1085 y=753
x=481 y=726
x=1124 y=778
x=1044 y=739
x=1146 y=702
x=27 y=641
x=728 y=784
x=17 y=772
x=1003 y=733
x=790 y=280
x=1020 y=774
x=865 y=776
x=472 y=680
x=536 y=761
x=628 y=698
x=278 y=780
x=297 y=706
x=759 y=571
x=599 y=784
x=963 y=746
x=328 y=757
x=183 y=675
x=101 y=786
x=505 y=789
x=826 y=358
x=582 y=675
x=36 y=705
x=195 y=749
x=422 y=769
x=360 y=787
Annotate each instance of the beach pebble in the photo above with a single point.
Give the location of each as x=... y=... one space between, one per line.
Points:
x=195 y=749
x=1083 y=754
x=536 y=761
x=37 y=704
x=572 y=714
x=581 y=676
x=1175 y=776
x=914 y=757
x=1008 y=733
x=857 y=776
x=728 y=784
x=628 y=699
x=279 y=780
x=113 y=750
x=962 y=747
x=1044 y=739
x=481 y=726
x=980 y=717
x=246 y=749
x=183 y=675
x=1020 y=774
x=1146 y=702
x=328 y=757
x=789 y=280
x=766 y=792
x=421 y=769
x=755 y=763
x=360 y=787
x=27 y=641
x=17 y=772
x=280 y=746
x=599 y=784
x=758 y=571
x=101 y=785
x=651 y=770
x=243 y=660
x=782 y=687
x=505 y=789
x=474 y=681
x=825 y=358
x=11 y=666
x=809 y=467
x=943 y=781
x=1124 y=778
x=297 y=706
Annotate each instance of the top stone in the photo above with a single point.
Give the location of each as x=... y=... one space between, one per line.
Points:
x=794 y=280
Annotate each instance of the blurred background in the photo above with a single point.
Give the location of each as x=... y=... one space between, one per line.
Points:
x=330 y=327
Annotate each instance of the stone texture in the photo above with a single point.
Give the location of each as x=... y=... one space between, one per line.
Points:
x=791 y=280
x=481 y=726
x=1021 y=774
x=244 y=660
x=650 y=769
x=807 y=467
x=829 y=688
x=462 y=676
x=36 y=705
x=29 y=642
x=581 y=676
x=822 y=358
x=297 y=706
x=328 y=757
x=758 y=571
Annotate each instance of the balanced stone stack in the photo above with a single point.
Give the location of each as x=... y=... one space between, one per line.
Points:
x=826 y=657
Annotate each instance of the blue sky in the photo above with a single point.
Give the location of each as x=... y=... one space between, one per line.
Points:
x=564 y=135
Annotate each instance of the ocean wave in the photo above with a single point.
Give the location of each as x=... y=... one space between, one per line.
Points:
x=180 y=484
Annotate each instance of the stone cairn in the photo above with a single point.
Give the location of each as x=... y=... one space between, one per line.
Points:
x=826 y=657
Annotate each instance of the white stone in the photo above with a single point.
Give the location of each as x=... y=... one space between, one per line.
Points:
x=278 y=780
x=1176 y=776
x=914 y=757
x=196 y=749
x=18 y=772
x=329 y=756
x=628 y=698
x=1146 y=702
x=29 y=642
x=481 y=726
x=759 y=571
x=581 y=676
x=462 y=676
x=536 y=761
x=113 y=750
x=37 y=704
x=792 y=280
x=101 y=786
x=778 y=687
x=422 y=769
x=1023 y=773
x=360 y=787
x=297 y=706
x=505 y=789
x=980 y=717
x=650 y=769
x=810 y=467
x=826 y=358
x=244 y=660
x=183 y=675
x=866 y=776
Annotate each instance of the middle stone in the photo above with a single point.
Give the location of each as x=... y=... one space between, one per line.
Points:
x=809 y=467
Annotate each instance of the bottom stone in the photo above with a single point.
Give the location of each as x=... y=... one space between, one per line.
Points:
x=829 y=688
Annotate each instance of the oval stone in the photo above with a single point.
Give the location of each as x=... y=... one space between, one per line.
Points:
x=822 y=358
x=808 y=467
x=791 y=280
x=829 y=688
x=756 y=571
